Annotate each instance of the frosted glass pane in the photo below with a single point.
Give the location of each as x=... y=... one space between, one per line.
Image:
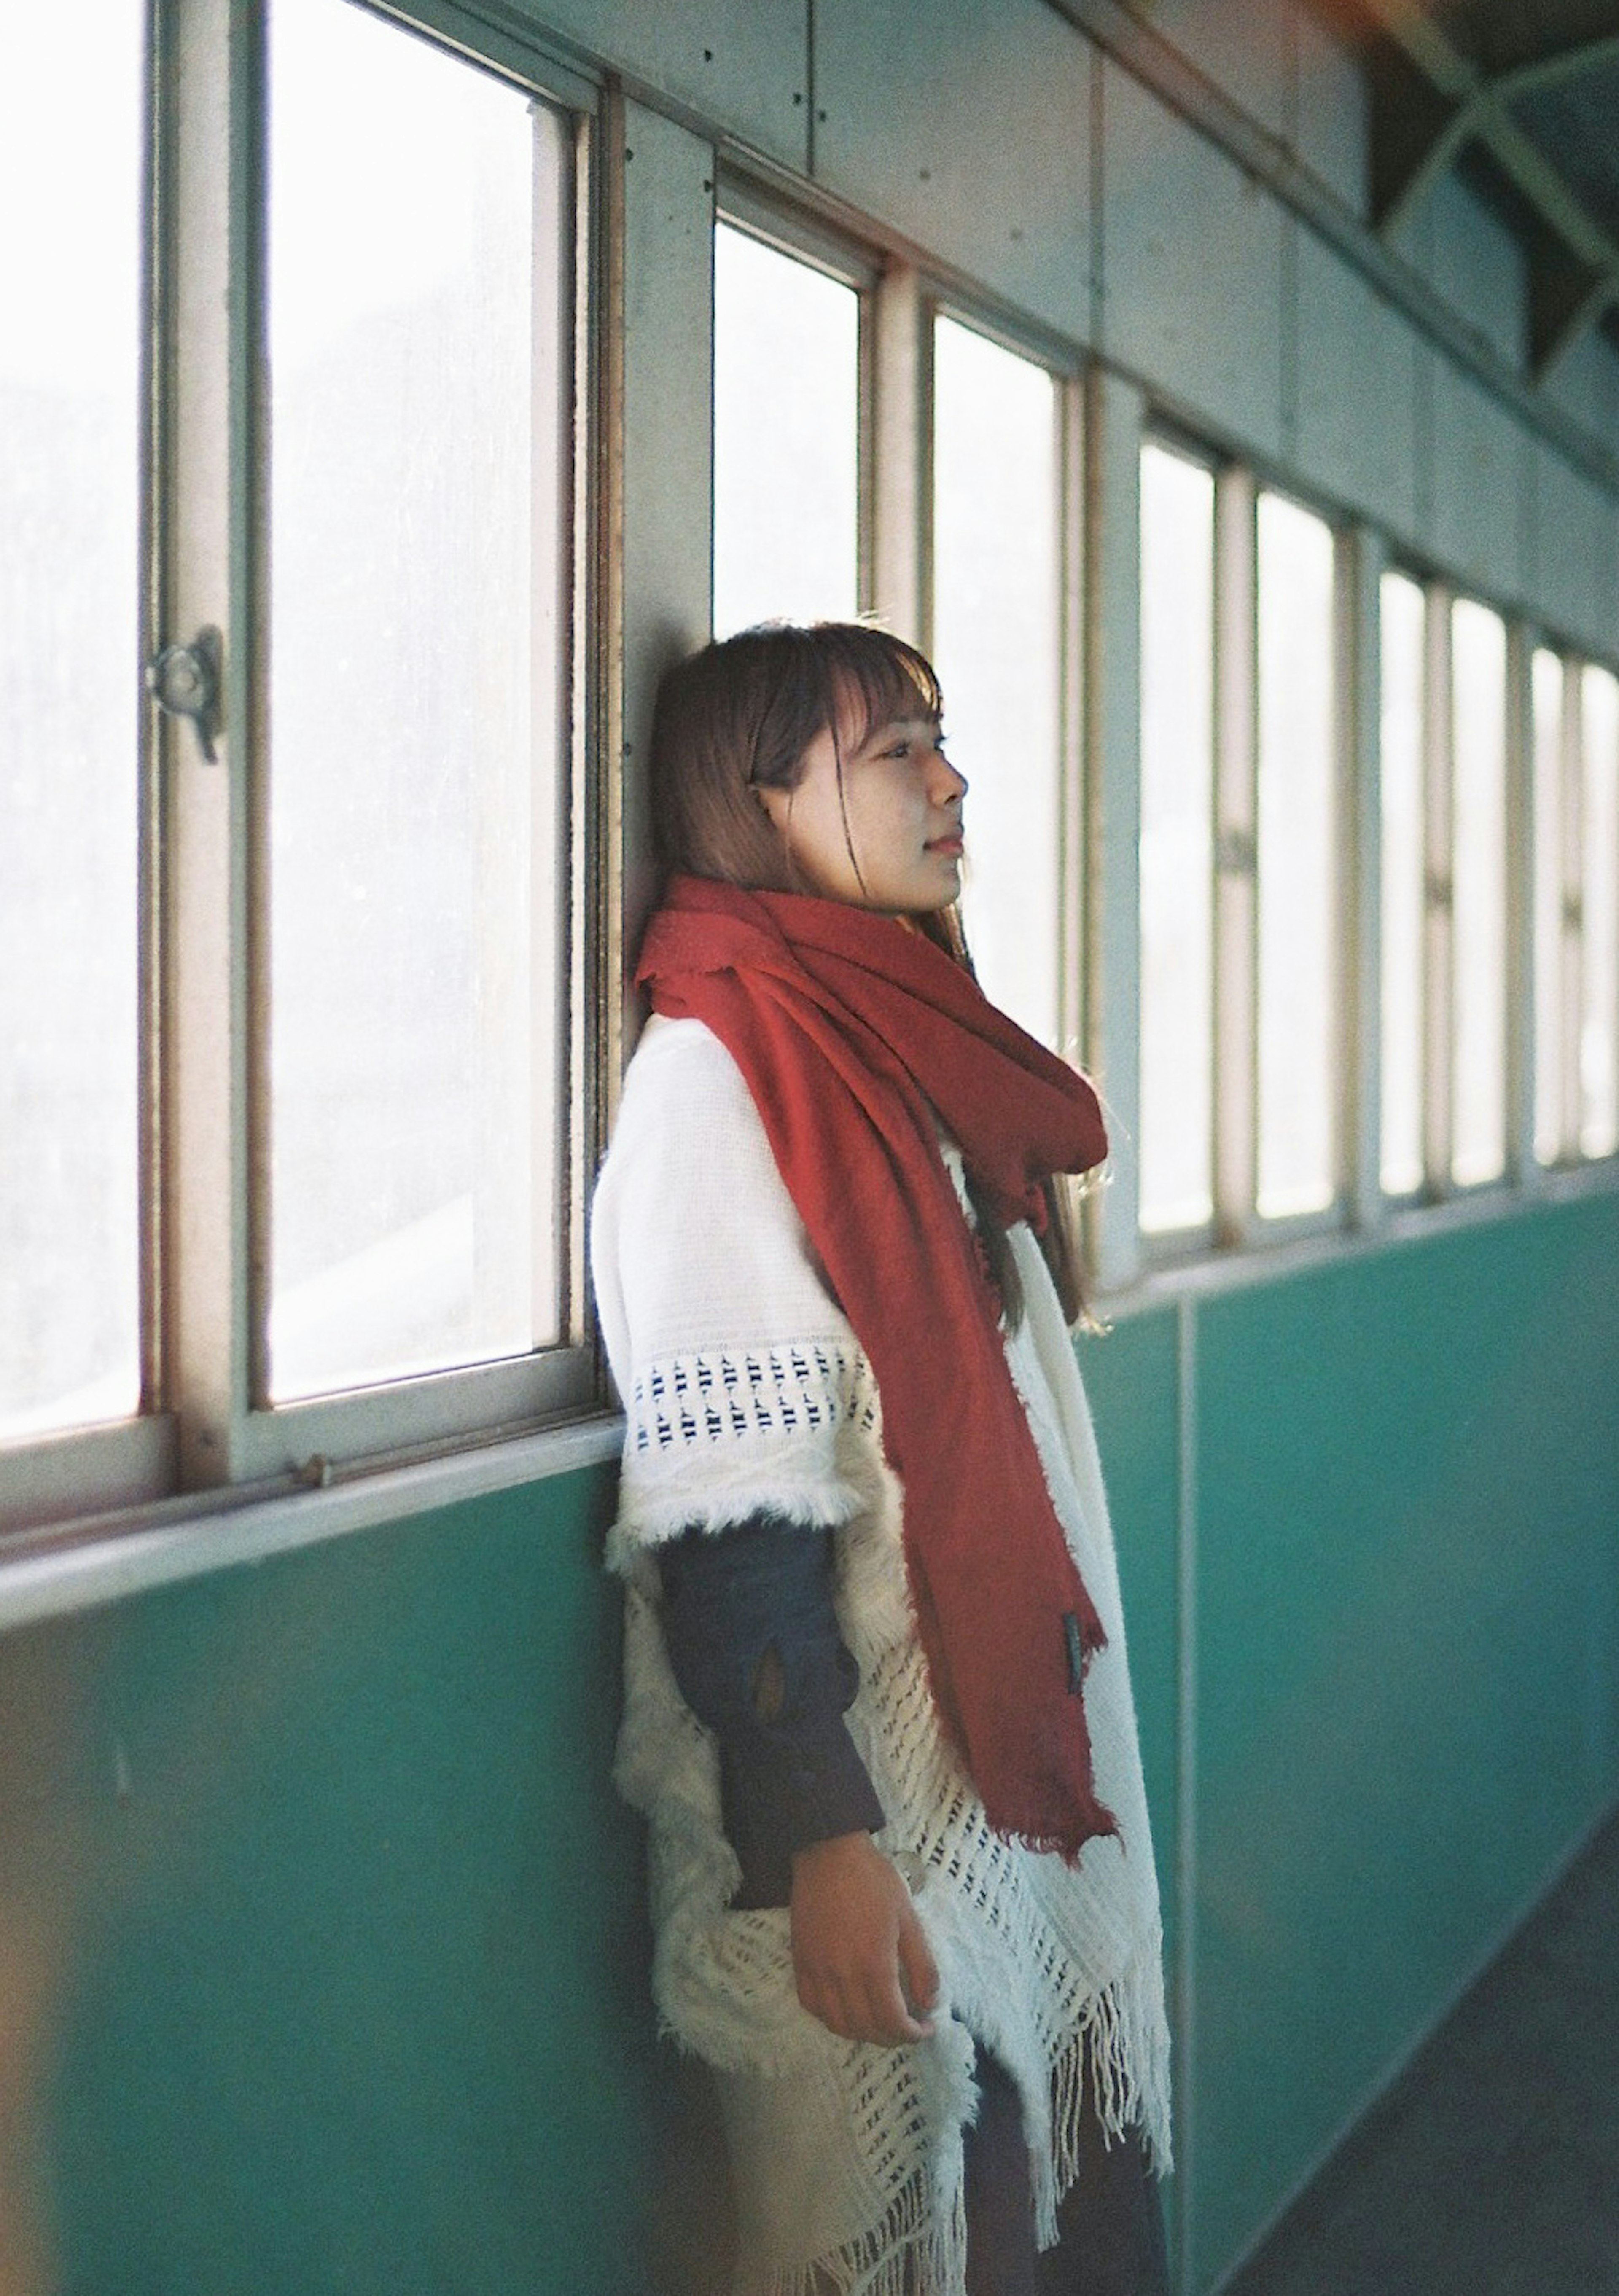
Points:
x=786 y=438
x=418 y=275
x=1599 y=905
x=70 y=267
x=1478 y=673
x=1546 y=690
x=1297 y=888
x=1177 y=841
x=997 y=611
x=1402 y=615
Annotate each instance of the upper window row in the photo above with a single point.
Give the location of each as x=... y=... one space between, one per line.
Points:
x=299 y=957
x=356 y=852
x=792 y=477
x=1252 y=1048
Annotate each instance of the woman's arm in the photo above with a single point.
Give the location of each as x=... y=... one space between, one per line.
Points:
x=753 y=1640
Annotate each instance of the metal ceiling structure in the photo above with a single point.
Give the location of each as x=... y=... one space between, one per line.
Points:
x=1523 y=96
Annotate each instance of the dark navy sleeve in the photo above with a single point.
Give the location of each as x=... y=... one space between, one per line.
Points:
x=753 y=1640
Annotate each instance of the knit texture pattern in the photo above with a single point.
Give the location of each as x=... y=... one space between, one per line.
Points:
x=746 y=1388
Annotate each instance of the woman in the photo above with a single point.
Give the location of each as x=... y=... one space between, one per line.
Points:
x=877 y=1711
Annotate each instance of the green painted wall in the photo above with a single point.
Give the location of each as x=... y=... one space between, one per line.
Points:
x=1404 y=1537
x=322 y=1961
x=351 y=1993
x=1408 y=1548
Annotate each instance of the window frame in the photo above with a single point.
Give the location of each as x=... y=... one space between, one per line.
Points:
x=1570 y=1159
x=1238 y=1225
x=1577 y=790
x=901 y=296
x=743 y=204
x=1162 y=1247
x=1439 y=1185
x=1065 y=369
x=204 y=1425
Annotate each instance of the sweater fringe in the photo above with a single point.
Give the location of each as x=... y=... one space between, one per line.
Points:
x=915 y=2250
x=1113 y=2066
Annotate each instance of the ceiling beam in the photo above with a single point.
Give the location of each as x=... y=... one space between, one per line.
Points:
x=1465 y=108
x=1555 y=69
x=1566 y=297
x=1119 y=33
x=1416 y=136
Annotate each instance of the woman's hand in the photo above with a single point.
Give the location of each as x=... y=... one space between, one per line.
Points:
x=859 y=1955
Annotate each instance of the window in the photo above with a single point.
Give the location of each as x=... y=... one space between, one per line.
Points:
x=1176 y=1118
x=1403 y=617
x=786 y=437
x=418 y=381
x=1239 y=983
x=1446 y=983
x=1297 y=1160
x=997 y=645
x=311 y=1082
x=1599 y=914
x=979 y=444
x=1554 y=921
x=1576 y=909
x=1478 y=718
x=71 y=169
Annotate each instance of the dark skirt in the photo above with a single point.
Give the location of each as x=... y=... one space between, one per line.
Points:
x=1110 y=2224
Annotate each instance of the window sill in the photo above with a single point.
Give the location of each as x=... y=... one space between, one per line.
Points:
x=79 y=1565
x=1241 y=1268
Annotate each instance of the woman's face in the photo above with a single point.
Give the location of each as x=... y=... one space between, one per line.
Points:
x=899 y=850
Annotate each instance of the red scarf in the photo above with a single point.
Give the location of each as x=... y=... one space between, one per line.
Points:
x=857 y=1038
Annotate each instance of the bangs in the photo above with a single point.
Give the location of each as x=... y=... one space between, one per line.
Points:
x=876 y=678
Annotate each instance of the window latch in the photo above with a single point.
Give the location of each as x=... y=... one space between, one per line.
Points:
x=184 y=681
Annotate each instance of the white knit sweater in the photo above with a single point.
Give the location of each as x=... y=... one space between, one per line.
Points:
x=744 y=1388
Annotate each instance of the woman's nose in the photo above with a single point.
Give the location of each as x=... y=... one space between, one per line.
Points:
x=951 y=783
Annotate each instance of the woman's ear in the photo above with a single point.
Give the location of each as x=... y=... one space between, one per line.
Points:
x=776 y=803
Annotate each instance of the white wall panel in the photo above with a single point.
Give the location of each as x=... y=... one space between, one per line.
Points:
x=1480 y=478
x=1585 y=384
x=1479 y=268
x=668 y=437
x=968 y=130
x=1245 y=47
x=740 y=63
x=1357 y=428
x=1112 y=1050
x=1191 y=268
x=1471 y=260
x=1330 y=112
x=1576 y=586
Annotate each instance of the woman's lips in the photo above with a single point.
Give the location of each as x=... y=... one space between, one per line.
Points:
x=950 y=844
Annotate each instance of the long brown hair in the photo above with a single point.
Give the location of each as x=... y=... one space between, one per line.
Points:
x=738 y=717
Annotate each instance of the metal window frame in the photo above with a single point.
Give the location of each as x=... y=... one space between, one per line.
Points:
x=900 y=299
x=1235 y=856
x=1389 y=1203
x=933 y=299
x=1542 y=1059
x=764 y=212
x=201 y=1143
x=1169 y=1248
x=1574 y=905
x=1342 y=1085
x=1514 y=982
x=1362 y=560
x=1438 y=751
x=1359 y=556
x=1571 y=931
